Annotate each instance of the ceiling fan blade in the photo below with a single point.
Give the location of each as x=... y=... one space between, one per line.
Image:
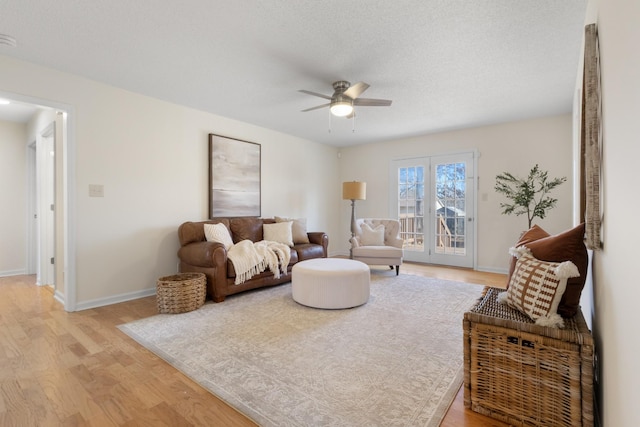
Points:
x=369 y=102
x=356 y=90
x=316 y=108
x=308 y=92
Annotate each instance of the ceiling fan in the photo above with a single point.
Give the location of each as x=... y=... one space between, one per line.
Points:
x=345 y=97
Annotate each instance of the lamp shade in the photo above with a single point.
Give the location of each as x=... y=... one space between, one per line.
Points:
x=354 y=190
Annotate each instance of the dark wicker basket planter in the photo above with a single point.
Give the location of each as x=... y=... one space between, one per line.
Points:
x=181 y=292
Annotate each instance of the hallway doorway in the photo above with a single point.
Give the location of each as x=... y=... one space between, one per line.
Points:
x=49 y=249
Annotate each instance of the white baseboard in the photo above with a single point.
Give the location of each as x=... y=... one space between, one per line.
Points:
x=115 y=299
x=493 y=270
x=59 y=296
x=8 y=273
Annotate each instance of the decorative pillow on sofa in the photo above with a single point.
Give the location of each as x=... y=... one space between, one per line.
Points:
x=536 y=287
x=246 y=228
x=566 y=246
x=279 y=232
x=298 y=229
x=218 y=233
x=372 y=236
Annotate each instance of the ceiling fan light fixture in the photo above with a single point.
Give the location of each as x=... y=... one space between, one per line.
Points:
x=341 y=108
x=345 y=96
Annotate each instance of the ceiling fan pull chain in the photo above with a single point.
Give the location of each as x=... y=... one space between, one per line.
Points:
x=330 y=121
x=353 y=124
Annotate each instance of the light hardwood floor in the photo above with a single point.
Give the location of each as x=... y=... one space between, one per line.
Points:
x=78 y=369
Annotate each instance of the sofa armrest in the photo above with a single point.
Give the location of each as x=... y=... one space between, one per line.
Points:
x=204 y=254
x=320 y=238
x=396 y=241
x=355 y=242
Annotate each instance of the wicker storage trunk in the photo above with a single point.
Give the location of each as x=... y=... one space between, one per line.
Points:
x=525 y=374
x=181 y=292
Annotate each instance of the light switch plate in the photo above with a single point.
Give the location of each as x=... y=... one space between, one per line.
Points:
x=96 y=190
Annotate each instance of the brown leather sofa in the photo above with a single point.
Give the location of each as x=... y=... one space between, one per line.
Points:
x=199 y=256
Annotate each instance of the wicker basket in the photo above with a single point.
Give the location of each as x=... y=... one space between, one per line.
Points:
x=525 y=374
x=181 y=292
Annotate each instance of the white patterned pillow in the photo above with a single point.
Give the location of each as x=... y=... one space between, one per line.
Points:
x=536 y=287
x=372 y=236
x=298 y=229
x=218 y=233
x=279 y=232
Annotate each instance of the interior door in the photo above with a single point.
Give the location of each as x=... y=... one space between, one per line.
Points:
x=32 y=213
x=434 y=200
x=46 y=192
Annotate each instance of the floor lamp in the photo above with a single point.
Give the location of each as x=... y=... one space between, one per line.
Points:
x=353 y=191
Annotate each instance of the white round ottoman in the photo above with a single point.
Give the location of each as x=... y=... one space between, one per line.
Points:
x=330 y=283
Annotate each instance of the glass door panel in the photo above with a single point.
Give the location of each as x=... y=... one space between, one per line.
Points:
x=408 y=204
x=452 y=218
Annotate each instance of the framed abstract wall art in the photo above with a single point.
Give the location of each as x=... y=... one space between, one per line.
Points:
x=234 y=177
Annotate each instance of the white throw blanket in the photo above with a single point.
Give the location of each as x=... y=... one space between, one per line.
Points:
x=251 y=258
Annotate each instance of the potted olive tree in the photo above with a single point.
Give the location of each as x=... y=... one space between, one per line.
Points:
x=527 y=195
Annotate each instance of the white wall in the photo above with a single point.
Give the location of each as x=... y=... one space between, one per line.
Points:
x=151 y=156
x=615 y=277
x=514 y=147
x=13 y=198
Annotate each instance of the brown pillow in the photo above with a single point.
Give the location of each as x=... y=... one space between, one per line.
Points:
x=566 y=246
x=246 y=228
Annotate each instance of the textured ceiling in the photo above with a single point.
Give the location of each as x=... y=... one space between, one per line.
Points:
x=445 y=64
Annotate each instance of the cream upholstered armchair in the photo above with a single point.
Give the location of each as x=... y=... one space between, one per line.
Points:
x=377 y=242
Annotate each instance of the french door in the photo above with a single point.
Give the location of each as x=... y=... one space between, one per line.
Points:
x=434 y=199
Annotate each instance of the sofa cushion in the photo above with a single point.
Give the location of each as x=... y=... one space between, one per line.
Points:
x=218 y=233
x=279 y=232
x=372 y=236
x=231 y=273
x=294 y=256
x=377 y=252
x=298 y=229
x=248 y=228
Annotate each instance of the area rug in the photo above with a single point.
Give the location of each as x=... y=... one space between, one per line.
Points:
x=395 y=361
